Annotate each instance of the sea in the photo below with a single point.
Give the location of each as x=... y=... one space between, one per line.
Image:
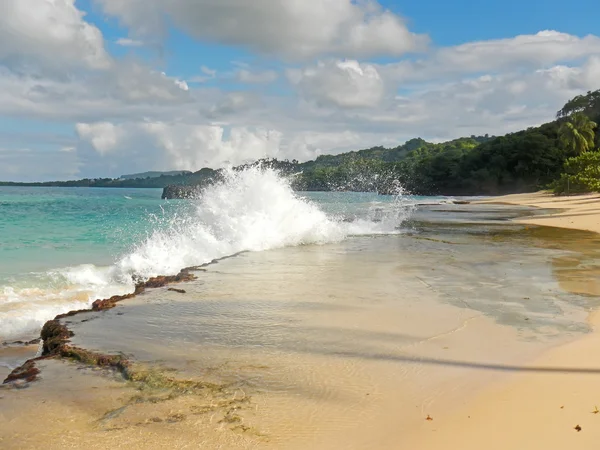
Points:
x=63 y=248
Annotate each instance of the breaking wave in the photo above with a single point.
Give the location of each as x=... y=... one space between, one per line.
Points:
x=250 y=210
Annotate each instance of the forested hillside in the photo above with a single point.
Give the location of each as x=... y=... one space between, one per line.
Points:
x=478 y=165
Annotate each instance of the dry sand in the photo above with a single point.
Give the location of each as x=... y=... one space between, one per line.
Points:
x=531 y=411
x=535 y=410
x=580 y=212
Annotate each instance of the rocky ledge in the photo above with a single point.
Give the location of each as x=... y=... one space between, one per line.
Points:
x=56 y=336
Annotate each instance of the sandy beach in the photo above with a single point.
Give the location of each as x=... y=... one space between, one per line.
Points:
x=579 y=212
x=532 y=410
x=464 y=335
x=547 y=409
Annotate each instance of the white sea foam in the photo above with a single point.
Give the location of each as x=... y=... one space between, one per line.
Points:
x=251 y=210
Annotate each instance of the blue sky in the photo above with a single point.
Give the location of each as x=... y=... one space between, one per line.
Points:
x=105 y=87
x=447 y=24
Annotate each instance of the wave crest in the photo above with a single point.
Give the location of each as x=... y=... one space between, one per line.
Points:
x=250 y=210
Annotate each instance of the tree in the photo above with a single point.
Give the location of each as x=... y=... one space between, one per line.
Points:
x=577 y=133
x=588 y=104
x=582 y=174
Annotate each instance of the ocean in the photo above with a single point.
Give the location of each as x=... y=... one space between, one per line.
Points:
x=63 y=248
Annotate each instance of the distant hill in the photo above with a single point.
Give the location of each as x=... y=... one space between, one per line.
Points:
x=145 y=175
x=477 y=165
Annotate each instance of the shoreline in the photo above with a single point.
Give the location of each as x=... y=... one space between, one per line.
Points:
x=576 y=212
x=484 y=400
x=536 y=410
x=401 y=349
x=55 y=337
x=62 y=333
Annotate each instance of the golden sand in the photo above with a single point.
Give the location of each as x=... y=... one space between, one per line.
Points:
x=536 y=410
x=374 y=355
x=579 y=212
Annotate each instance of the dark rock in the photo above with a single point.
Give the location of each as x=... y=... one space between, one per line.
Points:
x=28 y=372
x=181 y=291
x=171 y=192
x=156 y=282
x=55 y=335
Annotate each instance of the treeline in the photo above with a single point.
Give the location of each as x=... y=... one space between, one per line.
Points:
x=561 y=155
x=524 y=161
x=183 y=179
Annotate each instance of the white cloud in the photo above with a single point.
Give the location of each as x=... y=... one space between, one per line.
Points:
x=127 y=89
x=49 y=33
x=103 y=136
x=346 y=84
x=247 y=76
x=131 y=117
x=173 y=145
x=286 y=28
x=546 y=48
x=494 y=104
x=197 y=146
x=126 y=42
x=308 y=145
x=183 y=146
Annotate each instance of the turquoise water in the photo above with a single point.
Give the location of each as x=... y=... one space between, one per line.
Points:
x=46 y=228
x=63 y=248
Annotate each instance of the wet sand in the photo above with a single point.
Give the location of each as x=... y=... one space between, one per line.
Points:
x=579 y=212
x=539 y=410
x=349 y=345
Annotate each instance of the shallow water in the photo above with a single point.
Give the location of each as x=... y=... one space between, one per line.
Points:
x=349 y=344
x=63 y=248
x=328 y=340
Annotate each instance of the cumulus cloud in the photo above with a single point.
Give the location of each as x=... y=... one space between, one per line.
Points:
x=163 y=145
x=286 y=28
x=103 y=136
x=346 y=84
x=543 y=49
x=183 y=146
x=50 y=34
x=127 y=89
x=129 y=116
x=492 y=104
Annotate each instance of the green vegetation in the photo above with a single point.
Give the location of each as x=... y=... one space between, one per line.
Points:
x=524 y=161
x=151 y=174
x=582 y=174
x=161 y=181
x=577 y=133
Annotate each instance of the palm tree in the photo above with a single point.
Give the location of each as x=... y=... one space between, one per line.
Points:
x=577 y=133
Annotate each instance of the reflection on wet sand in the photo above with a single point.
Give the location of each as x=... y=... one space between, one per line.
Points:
x=349 y=345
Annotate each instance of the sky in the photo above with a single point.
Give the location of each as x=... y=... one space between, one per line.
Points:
x=101 y=88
